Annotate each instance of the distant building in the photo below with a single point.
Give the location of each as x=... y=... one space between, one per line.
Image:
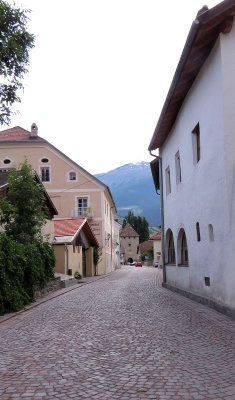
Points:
x=129 y=244
x=157 y=248
x=195 y=169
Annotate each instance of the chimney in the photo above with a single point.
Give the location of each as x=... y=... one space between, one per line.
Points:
x=34 y=130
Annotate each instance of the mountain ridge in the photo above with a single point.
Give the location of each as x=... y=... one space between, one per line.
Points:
x=133 y=190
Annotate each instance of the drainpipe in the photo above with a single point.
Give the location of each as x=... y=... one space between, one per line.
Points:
x=67 y=258
x=162 y=215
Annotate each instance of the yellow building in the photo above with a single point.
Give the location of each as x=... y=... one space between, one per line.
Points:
x=74 y=191
x=73 y=245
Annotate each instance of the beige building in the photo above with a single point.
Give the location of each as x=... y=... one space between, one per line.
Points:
x=157 y=247
x=75 y=192
x=129 y=244
x=73 y=245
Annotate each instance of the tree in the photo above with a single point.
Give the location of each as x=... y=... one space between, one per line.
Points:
x=15 y=43
x=26 y=262
x=139 y=224
x=23 y=212
x=148 y=253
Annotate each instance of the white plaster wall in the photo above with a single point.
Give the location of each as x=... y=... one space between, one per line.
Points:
x=202 y=195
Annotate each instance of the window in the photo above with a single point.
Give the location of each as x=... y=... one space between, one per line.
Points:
x=168 y=180
x=6 y=161
x=45 y=174
x=207 y=281
x=72 y=176
x=44 y=160
x=211 y=233
x=182 y=248
x=82 y=206
x=4 y=170
x=196 y=144
x=171 y=249
x=177 y=168
x=198 y=232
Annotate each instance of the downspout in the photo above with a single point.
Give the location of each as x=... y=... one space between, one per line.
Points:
x=67 y=258
x=162 y=214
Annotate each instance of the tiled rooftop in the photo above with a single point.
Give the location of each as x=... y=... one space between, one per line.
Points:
x=158 y=236
x=18 y=134
x=67 y=227
x=128 y=231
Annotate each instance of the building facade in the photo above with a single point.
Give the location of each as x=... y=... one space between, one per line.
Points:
x=129 y=244
x=195 y=168
x=75 y=192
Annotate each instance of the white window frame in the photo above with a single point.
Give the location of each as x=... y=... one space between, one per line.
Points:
x=76 y=203
x=7 y=158
x=40 y=172
x=72 y=180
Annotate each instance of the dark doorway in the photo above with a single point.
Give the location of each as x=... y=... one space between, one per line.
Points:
x=130 y=260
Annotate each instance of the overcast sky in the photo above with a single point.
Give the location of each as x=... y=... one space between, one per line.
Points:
x=100 y=72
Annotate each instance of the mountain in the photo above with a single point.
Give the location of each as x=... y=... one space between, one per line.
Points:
x=133 y=189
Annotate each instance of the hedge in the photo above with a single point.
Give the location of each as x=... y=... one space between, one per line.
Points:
x=23 y=270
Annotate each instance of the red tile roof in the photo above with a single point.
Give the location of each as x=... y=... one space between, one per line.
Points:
x=67 y=227
x=128 y=231
x=18 y=134
x=66 y=230
x=158 y=236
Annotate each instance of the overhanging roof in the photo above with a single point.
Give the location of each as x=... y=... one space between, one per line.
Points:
x=201 y=39
x=66 y=230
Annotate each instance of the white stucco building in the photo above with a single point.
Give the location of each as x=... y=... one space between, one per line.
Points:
x=195 y=169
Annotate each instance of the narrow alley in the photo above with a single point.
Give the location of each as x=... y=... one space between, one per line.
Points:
x=120 y=337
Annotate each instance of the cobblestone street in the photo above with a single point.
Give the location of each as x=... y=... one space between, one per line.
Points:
x=120 y=337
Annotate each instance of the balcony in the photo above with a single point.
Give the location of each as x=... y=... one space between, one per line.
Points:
x=82 y=212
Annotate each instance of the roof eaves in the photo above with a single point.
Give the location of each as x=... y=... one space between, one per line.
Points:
x=214 y=20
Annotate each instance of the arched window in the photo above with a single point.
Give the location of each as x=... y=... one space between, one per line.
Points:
x=182 y=248
x=211 y=233
x=170 y=247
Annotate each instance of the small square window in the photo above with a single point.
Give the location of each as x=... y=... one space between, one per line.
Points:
x=45 y=174
x=72 y=176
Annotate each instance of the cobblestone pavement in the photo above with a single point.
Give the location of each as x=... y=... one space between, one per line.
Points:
x=121 y=337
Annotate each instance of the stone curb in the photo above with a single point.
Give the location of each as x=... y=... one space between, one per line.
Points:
x=49 y=297
x=211 y=303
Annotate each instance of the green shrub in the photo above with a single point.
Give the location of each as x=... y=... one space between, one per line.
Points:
x=77 y=275
x=23 y=270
